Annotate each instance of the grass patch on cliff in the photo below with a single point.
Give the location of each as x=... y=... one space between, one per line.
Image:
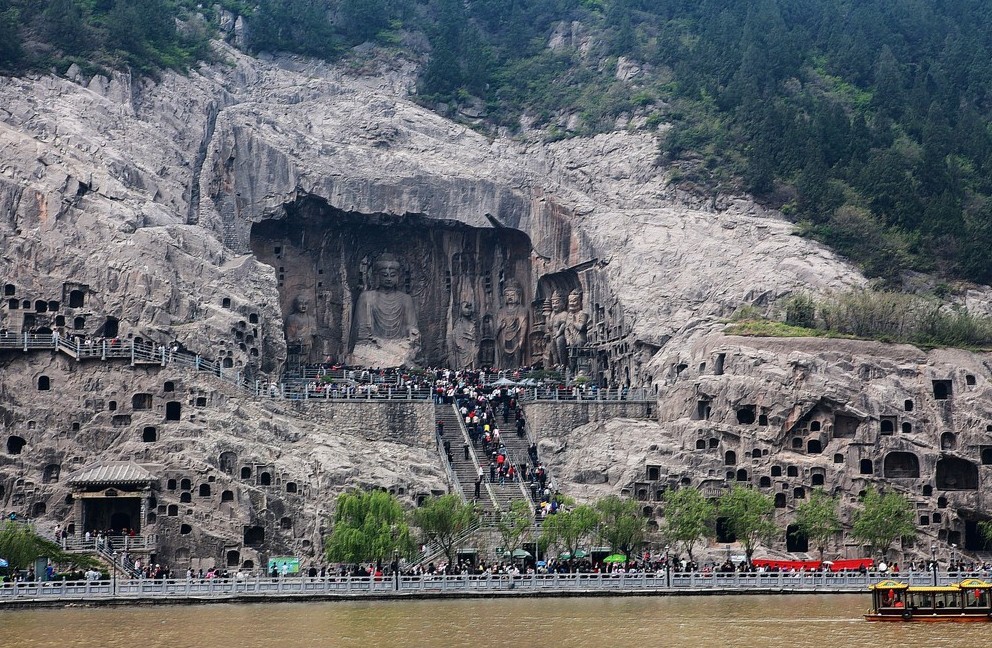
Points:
x=773 y=328
x=879 y=316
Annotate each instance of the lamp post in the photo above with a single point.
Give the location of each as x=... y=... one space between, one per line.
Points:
x=113 y=575
x=954 y=558
x=396 y=570
x=668 y=568
x=933 y=563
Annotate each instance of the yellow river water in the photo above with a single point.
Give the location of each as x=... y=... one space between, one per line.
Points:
x=825 y=621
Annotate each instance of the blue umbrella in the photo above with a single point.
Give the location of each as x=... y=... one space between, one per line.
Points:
x=4 y=563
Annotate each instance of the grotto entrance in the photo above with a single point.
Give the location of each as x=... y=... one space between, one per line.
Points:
x=112 y=498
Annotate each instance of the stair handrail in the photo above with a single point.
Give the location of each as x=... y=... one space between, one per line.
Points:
x=448 y=469
x=475 y=458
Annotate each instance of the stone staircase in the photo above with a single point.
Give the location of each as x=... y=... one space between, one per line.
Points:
x=466 y=471
x=494 y=497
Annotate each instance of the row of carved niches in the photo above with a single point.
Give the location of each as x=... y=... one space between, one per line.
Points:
x=381 y=290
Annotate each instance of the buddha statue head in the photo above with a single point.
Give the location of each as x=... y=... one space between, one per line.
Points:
x=387 y=270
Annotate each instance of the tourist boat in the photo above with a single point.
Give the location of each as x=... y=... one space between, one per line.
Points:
x=968 y=600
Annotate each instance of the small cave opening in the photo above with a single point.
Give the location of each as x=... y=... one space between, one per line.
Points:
x=954 y=473
x=254 y=535
x=227 y=461
x=942 y=389
x=15 y=444
x=724 y=534
x=746 y=415
x=845 y=427
x=901 y=465
x=795 y=540
x=51 y=474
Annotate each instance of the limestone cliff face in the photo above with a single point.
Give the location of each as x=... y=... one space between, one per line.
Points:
x=791 y=415
x=137 y=208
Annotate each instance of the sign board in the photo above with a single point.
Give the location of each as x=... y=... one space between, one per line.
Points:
x=292 y=564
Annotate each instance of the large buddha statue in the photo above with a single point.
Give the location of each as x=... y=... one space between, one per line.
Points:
x=463 y=342
x=511 y=328
x=385 y=321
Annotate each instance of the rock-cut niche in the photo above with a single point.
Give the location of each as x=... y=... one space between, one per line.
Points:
x=346 y=278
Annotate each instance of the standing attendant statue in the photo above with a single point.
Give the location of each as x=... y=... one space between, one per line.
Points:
x=386 y=330
x=511 y=327
x=576 y=321
x=556 y=353
x=463 y=342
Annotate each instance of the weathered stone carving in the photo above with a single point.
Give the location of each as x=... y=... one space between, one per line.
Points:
x=301 y=326
x=556 y=353
x=386 y=330
x=511 y=327
x=463 y=341
x=576 y=321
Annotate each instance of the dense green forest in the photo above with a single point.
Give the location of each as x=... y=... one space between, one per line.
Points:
x=867 y=122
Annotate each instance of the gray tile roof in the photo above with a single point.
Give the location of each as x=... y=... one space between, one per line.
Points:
x=113 y=472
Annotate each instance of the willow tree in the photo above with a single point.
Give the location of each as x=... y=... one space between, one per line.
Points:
x=883 y=519
x=621 y=524
x=568 y=530
x=748 y=514
x=817 y=519
x=513 y=525
x=445 y=521
x=20 y=546
x=689 y=518
x=368 y=525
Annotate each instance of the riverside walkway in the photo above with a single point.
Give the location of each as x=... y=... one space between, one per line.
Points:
x=648 y=583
